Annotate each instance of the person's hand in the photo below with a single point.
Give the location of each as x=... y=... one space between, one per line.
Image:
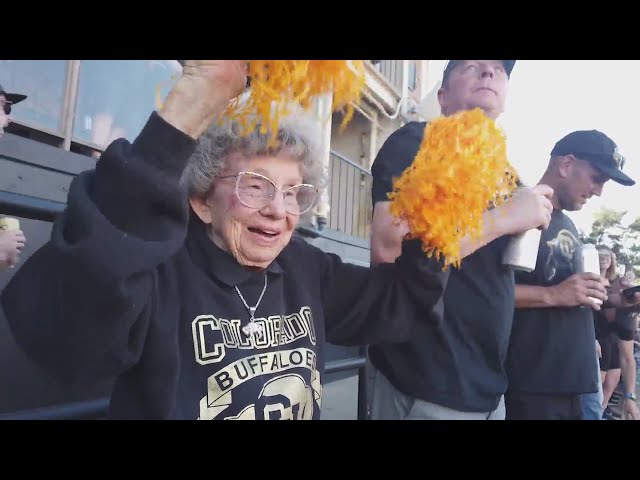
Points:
x=216 y=79
x=620 y=283
x=529 y=208
x=617 y=299
x=580 y=289
x=631 y=411
x=5 y=120
x=598 y=349
x=621 y=301
x=11 y=244
x=202 y=92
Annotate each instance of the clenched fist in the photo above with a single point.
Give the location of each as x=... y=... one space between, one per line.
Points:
x=202 y=92
x=529 y=208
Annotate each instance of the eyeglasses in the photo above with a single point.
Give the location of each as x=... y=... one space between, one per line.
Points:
x=7 y=108
x=257 y=191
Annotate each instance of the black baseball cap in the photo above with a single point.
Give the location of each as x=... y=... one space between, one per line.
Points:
x=508 y=67
x=597 y=149
x=12 y=97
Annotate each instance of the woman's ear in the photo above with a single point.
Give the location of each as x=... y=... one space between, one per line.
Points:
x=199 y=205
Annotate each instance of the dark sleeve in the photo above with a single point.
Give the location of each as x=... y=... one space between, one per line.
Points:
x=381 y=304
x=625 y=324
x=395 y=156
x=525 y=278
x=81 y=304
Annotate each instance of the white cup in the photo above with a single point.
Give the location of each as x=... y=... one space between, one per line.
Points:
x=522 y=251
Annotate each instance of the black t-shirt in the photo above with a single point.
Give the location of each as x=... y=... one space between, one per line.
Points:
x=458 y=361
x=552 y=349
x=624 y=325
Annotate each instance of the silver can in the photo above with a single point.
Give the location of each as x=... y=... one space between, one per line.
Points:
x=522 y=251
x=587 y=260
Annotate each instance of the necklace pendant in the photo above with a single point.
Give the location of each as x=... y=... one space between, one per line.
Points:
x=253 y=329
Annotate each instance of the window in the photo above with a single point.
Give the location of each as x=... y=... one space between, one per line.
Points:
x=116 y=97
x=412 y=75
x=44 y=82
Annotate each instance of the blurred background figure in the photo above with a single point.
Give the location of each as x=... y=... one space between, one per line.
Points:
x=7 y=100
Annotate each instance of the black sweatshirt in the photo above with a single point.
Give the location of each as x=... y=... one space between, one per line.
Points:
x=128 y=288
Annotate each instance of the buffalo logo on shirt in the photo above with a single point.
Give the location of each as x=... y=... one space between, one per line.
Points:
x=289 y=385
x=560 y=256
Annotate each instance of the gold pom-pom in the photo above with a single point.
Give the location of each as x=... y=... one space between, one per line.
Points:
x=276 y=85
x=460 y=170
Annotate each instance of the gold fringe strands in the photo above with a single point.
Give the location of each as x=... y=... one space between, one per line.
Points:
x=460 y=170
x=276 y=85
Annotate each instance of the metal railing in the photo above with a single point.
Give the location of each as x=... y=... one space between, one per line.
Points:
x=97 y=409
x=349 y=197
x=391 y=70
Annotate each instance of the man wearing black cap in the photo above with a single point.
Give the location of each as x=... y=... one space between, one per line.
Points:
x=552 y=347
x=453 y=369
x=7 y=100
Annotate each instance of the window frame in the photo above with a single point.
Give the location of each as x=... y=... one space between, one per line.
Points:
x=67 y=96
x=67 y=114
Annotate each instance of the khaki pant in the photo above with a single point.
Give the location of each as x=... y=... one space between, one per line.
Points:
x=388 y=403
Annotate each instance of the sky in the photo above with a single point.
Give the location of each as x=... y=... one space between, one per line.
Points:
x=550 y=98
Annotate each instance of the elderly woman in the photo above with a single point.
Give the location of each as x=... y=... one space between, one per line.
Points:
x=203 y=305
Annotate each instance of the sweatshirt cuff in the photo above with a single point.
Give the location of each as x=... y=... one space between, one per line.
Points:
x=413 y=249
x=167 y=147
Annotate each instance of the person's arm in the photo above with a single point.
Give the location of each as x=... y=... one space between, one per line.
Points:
x=578 y=289
x=534 y=296
x=529 y=208
x=81 y=305
x=387 y=233
x=395 y=155
x=383 y=303
x=628 y=375
x=626 y=325
x=618 y=300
